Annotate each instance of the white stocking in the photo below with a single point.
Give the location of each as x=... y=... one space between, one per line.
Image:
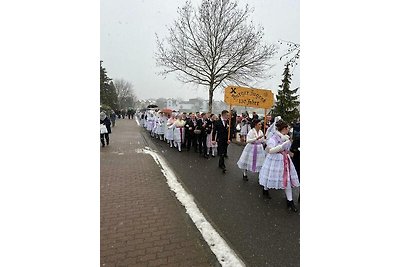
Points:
x=179 y=146
x=288 y=191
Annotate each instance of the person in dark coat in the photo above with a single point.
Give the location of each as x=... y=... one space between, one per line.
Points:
x=113 y=117
x=220 y=135
x=106 y=121
x=190 y=126
x=202 y=136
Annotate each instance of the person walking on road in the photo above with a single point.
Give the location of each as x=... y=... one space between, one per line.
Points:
x=220 y=136
x=190 y=126
x=179 y=132
x=202 y=135
x=253 y=154
x=211 y=147
x=113 y=117
x=244 y=128
x=169 y=131
x=105 y=121
x=278 y=171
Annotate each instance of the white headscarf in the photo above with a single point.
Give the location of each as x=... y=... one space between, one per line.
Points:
x=272 y=129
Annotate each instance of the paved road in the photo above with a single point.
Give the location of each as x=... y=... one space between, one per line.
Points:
x=261 y=231
x=142 y=223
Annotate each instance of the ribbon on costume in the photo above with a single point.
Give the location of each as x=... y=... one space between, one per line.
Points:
x=180 y=130
x=285 y=168
x=254 y=156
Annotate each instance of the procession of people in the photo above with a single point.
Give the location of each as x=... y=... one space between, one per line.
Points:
x=269 y=154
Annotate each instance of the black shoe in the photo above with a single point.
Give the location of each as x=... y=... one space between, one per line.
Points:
x=213 y=156
x=102 y=145
x=223 y=170
x=226 y=156
x=266 y=194
x=245 y=178
x=291 y=206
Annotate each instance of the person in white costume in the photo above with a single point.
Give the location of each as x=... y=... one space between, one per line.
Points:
x=179 y=132
x=169 y=132
x=253 y=154
x=244 y=128
x=278 y=171
x=150 y=122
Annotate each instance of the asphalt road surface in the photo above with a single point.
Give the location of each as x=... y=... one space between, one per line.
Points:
x=260 y=230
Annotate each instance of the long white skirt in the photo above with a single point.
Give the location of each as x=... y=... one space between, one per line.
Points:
x=160 y=129
x=150 y=125
x=169 y=134
x=179 y=135
x=209 y=141
x=271 y=173
x=252 y=157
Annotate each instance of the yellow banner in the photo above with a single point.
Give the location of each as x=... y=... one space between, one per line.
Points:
x=249 y=97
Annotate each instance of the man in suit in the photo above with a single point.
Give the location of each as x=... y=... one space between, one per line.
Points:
x=202 y=137
x=190 y=125
x=220 y=135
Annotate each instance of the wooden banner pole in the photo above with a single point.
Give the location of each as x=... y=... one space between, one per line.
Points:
x=230 y=120
x=265 y=120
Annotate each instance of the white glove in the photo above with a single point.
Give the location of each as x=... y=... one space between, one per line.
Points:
x=285 y=137
x=278 y=148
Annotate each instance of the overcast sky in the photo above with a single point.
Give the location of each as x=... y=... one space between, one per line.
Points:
x=127 y=43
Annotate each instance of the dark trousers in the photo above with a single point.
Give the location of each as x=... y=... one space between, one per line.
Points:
x=222 y=150
x=102 y=138
x=202 y=144
x=191 y=141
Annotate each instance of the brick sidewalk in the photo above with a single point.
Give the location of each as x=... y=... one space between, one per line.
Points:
x=142 y=223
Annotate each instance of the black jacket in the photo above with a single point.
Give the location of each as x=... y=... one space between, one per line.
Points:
x=201 y=126
x=221 y=133
x=189 y=124
x=107 y=123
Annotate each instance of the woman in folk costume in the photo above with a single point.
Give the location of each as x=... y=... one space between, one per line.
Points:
x=161 y=127
x=157 y=128
x=244 y=128
x=179 y=132
x=210 y=130
x=155 y=124
x=169 y=132
x=253 y=154
x=150 y=122
x=278 y=171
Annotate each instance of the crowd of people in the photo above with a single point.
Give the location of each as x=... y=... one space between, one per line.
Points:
x=274 y=154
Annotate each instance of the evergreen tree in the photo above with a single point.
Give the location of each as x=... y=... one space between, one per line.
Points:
x=108 y=95
x=287 y=102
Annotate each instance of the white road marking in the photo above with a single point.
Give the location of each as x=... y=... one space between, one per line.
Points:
x=225 y=255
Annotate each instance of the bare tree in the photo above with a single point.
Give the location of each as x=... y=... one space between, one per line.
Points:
x=214 y=45
x=125 y=93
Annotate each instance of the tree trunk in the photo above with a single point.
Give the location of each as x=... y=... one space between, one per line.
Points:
x=210 y=98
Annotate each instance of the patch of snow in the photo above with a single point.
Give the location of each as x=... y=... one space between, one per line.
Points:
x=225 y=255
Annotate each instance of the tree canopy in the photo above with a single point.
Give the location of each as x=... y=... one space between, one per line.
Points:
x=287 y=102
x=108 y=95
x=214 y=45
